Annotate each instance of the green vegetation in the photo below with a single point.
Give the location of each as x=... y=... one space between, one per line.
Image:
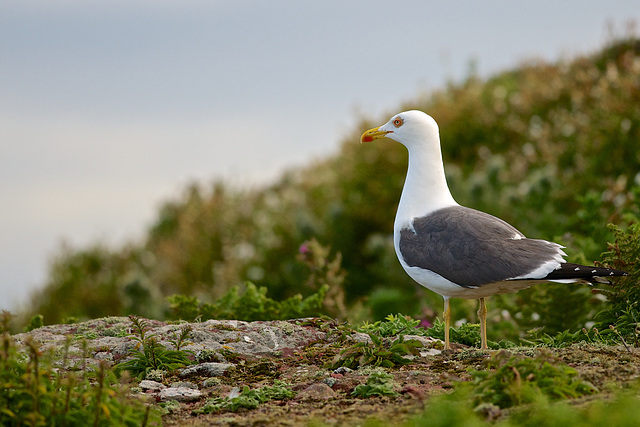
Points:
x=36 y=391
x=150 y=355
x=449 y=411
x=248 y=398
x=37 y=321
x=623 y=296
x=393 y=325
x=467 y=333
x=516 y=380
x=253 y=304
x=379 y=352
x=378 y=384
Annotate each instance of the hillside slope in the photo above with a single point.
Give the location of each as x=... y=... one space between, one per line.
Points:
x=551 y=148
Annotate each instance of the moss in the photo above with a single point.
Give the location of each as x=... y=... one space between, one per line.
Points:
x=285 y=327
x=248 y=372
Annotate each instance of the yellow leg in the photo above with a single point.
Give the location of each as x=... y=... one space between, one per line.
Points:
x=447 y=322
x=482 y=315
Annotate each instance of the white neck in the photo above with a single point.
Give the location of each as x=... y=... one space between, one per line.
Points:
x=425 y=188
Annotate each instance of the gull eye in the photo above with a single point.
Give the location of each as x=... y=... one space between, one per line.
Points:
x=397 y=122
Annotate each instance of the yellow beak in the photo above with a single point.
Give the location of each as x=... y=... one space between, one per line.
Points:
x=374 y=133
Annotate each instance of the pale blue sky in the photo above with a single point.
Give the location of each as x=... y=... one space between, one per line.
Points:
x=107 y=108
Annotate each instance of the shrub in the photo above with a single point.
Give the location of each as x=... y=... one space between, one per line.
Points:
x=252 y=304
x=622 y=309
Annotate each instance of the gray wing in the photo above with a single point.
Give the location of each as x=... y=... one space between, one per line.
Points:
x=472 y=248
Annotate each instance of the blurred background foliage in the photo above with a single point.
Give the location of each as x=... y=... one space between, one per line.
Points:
x=552 y=148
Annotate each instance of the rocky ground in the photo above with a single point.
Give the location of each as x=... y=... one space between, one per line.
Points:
x=229 y=355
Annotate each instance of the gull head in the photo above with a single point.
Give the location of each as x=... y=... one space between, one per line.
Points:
x=410 y=128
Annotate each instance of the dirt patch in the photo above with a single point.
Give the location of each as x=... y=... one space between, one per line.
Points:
x=299 y=353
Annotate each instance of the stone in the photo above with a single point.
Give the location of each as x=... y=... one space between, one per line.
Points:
x=342 y=370
x=329 y=381
x=180 y=394
x=151 y=385
x=211 y=382
x=210 y=369
x=346 y=385
x=317 y=391
x=186 y=384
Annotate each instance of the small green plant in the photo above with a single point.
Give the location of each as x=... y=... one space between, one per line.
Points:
x=537 y=337
x=34 y=391
x=394 y=325
x=252 y=304
x=169 y=406
x=467 y=333
x=380 y=352
x=248 y=398
x=511 y=380
x=150 y=355
x=378 y=384
x=622 y=309
x=207 y=355
x=180 y=337
x=36 y=321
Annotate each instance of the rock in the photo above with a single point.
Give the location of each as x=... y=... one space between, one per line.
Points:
x=211 y=382
x=426 y=341
x=210 y=369
x=208 y=355
x=317 y=391
x=181 y=394
x=103 y=355
x=329 y=381
x=342 y=370
x=246 y=339
x=413 y=391
x=360 y=337
x=151 y=385
x=430 y=352
x=186 y=384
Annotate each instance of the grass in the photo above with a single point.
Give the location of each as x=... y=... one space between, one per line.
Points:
x=37 y=389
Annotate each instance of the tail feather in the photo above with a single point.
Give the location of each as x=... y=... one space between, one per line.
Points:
x=568 y=271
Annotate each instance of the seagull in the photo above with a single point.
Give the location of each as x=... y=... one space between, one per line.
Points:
x=456 y=251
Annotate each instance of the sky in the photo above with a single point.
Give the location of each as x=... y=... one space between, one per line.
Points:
x=108 y=108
